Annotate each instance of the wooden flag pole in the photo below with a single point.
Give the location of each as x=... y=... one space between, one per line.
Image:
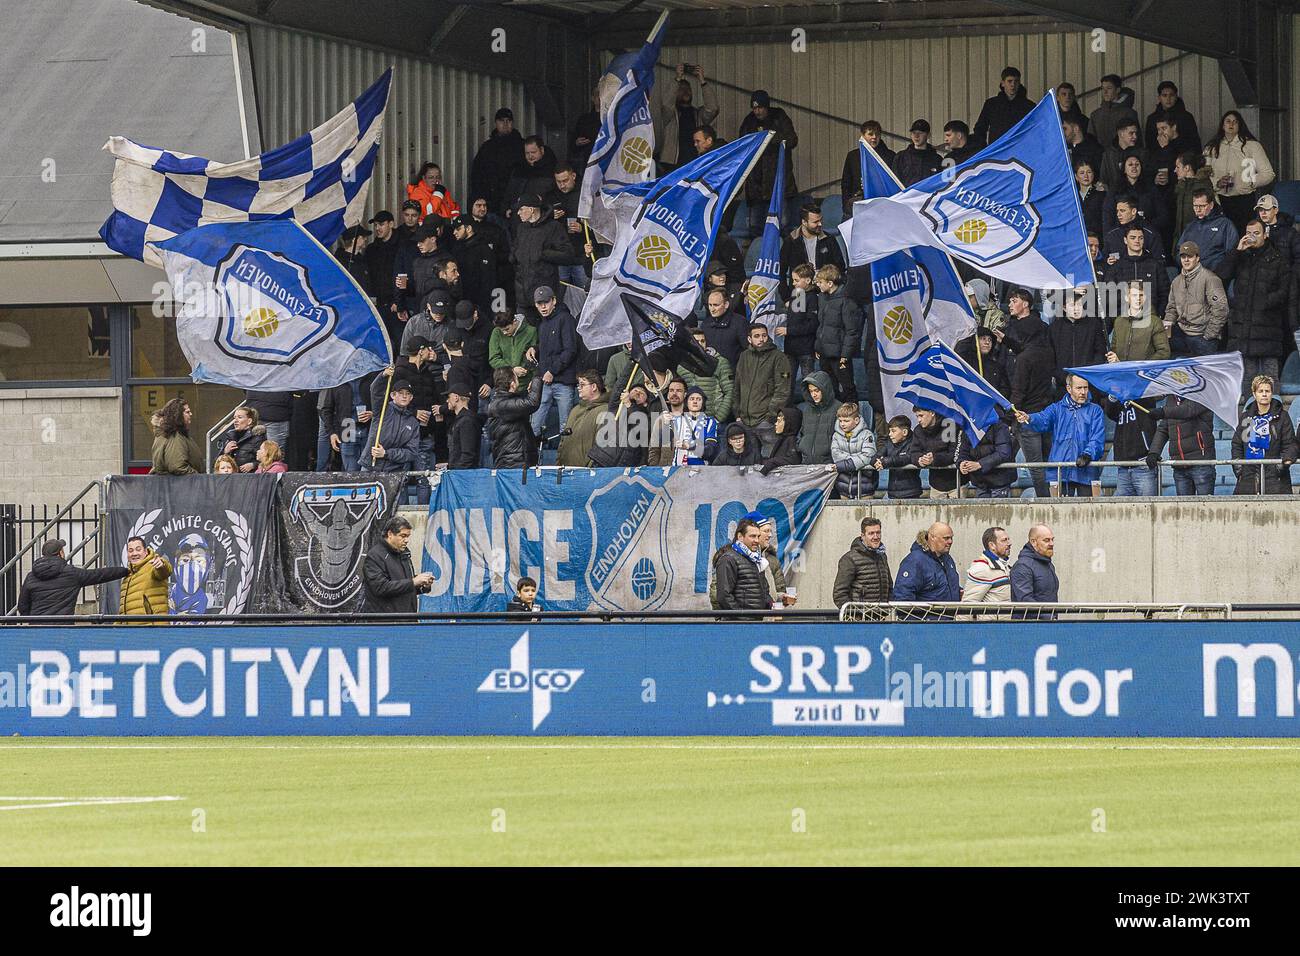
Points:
x=379 y=432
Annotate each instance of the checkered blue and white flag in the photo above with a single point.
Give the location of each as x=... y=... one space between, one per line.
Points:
x=941 y=381
x=321 y=179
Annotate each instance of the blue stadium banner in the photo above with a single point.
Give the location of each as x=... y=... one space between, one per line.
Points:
x=604 y=538
x=1112 y=679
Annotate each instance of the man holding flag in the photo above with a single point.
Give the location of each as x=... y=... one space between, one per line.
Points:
x=665 y=233
x=917 y=297
x=1012 y=211
x=1078 y=429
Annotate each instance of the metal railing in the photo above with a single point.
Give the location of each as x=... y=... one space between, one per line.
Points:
x=911 y=611
x=20 y=537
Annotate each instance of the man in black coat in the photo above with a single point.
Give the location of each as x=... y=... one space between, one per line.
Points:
x=535 y=176
x=1136 y=264
x=1171 y=104
x=851 y=177
x=920 y=160
x=1003 y=110
x=465 y=433
x=509 y=411
x=979 y=464
x=539 y=246
x=1078 y=336
x=388 y=574
x=808 y=243
x=725 y=330
x=1260 y=316
x=476 y=260
x=741 y=584
x=496 y=160
x=761 y=180
x=52 y=586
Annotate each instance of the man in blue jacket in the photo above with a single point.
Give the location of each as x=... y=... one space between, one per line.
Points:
x=1078 y=429
x=928 y=573
x=1033 y=577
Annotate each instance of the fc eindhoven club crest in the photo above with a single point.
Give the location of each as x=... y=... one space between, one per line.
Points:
x=1176 y=381
x=985 y=211
x=336 y=520
x=630 y=567
x=269 y=313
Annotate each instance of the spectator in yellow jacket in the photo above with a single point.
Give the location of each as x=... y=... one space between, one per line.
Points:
x=144 y=591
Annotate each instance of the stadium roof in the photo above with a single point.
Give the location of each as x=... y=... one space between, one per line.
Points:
x=64 y=68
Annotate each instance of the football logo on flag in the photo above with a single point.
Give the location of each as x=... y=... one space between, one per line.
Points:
x=898 y=325
x=634 y=157
x=986 y=209
x=269 y=312
x=1179 y=381
x=337 y=520
x=633 y=554
x=653 y=253
x=756 y=293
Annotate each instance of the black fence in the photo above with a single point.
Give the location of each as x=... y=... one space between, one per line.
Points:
x=20 y=525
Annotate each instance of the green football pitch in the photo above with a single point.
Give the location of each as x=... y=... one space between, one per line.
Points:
x=431 y=801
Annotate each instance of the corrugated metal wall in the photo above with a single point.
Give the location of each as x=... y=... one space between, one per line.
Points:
x=434 y=113
x=941 y=78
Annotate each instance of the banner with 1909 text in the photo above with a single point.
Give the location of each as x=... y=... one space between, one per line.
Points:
x=639 y=539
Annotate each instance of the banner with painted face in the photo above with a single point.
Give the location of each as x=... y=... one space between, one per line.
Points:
x=639 y=539
x=327 y=523
x=212 y=529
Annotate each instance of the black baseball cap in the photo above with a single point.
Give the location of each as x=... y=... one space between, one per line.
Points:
x=438 y=302
x=465 y=313
x=401 y=386
x=415 y=343
x=352 y=232
x=919 y=126
x=426 y=231
x=383 y=216
x=463 y=220
x=505 y=113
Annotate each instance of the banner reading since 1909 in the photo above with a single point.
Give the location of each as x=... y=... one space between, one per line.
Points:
x=604 y=538
x=212 y=528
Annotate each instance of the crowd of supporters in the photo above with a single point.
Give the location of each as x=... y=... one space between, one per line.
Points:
x=479 y=285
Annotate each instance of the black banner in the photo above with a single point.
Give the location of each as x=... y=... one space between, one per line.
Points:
x=326 y=525
x=212 y=528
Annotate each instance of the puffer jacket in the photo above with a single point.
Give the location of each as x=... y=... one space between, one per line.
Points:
x=1187 y=427
x=1144 y=268
x=911 y=165
x=1033 y=577
x=583 y=426
x=819 y=422
x=1284 y=238
x=1281 y=444
x=942 y=471
x=999 y=114
x=854 y=454
x=248 y=440
x=1197 y=304
x=1259 y=316
x=144 y=591
x=839 y=326
x=558 y=346
x=903 y=481
x=729 y=458
x=995 y=448
x=512 y=434
x=717 y=388
x=741 y=586
x=926 y=576
x=1076 y=430
x=1235 y=158
x=863 y=576
x=52 y=586
x=762 y=385
x=400 y=439
x=1214 y=236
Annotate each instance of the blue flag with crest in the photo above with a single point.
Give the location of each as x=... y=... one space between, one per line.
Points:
x=941 y=381
x=1212 y=380
x=761 y=293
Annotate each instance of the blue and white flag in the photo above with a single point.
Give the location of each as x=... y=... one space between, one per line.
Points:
x=321 y=179
x=264 y=306
x=761 y=293
x=623 y=152
x=916 y=294
x=666 y=230
x=1011 y=211
x=941 y=381
x=1212 y=380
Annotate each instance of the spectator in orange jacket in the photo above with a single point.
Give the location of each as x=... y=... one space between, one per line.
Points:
x=427 y=189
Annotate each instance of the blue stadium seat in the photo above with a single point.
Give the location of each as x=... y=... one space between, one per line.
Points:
x=1291 y=375
x=832 y=214
x=1288 y=196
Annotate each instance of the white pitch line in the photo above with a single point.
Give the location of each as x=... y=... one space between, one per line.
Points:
x=541 y=745
x=84 y=802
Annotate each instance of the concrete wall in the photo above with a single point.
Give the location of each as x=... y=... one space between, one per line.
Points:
x=53 y=441
x=1166 y=550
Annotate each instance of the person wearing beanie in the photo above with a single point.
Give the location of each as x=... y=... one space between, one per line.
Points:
x=761 y=181
x=695 y=431
x=496 y=160
x=739 y=448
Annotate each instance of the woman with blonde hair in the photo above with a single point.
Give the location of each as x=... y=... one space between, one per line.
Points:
x=270 y=460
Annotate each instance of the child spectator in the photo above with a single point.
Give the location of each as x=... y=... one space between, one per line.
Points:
x=786 y=450
x=270 y=460
x=800 y=328
x=225 y=465
x=839 y=331
x=818 y=418
x=853 y=449
x=741 y=447
x=695 y=432
x=525 y=599
x=935 y=446
x=895 y=454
